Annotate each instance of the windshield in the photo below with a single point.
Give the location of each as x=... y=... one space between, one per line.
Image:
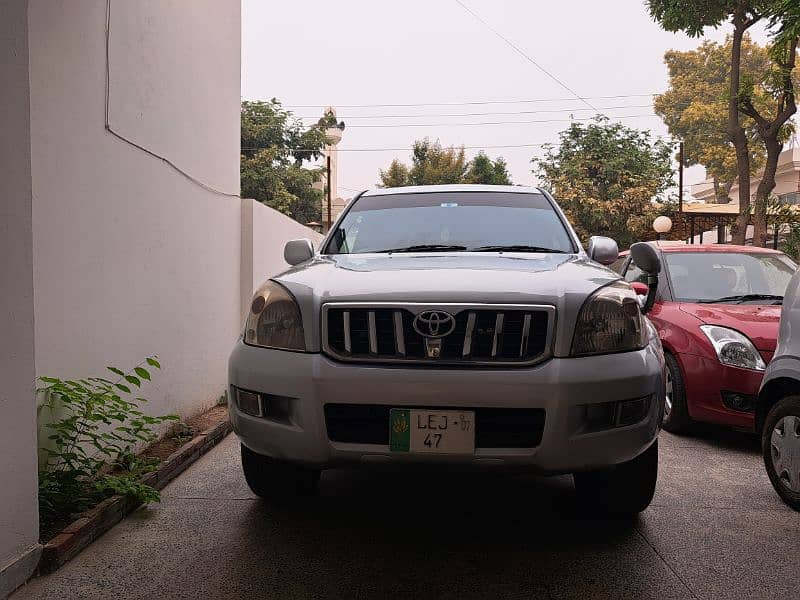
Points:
x=451 y=221
x=728 y=277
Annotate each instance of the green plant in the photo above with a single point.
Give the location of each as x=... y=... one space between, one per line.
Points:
x=791 y=243
x=182 y=432
x=96 y=426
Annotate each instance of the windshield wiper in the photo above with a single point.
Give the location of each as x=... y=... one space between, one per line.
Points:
x=739 y=299
x=517 y=248
x=426 y=248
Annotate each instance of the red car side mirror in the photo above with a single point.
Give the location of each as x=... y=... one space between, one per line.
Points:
x=640 y=288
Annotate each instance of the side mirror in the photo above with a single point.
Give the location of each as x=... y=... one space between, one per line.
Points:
x=297 y=251
x=646 y=258
x=641 y=289
x=603 y=249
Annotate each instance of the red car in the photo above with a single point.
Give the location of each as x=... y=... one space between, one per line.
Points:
x=717 y=314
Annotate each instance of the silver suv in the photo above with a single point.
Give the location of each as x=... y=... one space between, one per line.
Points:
x=778 y=411
x=451 y=325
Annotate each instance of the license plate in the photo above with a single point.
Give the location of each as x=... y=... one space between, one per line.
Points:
x=432 y=431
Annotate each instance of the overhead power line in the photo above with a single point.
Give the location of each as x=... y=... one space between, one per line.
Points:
x=390 y=125
x=524 y=55
x=393 y=149
x=469 y=114
x=478 y=123
x=408 y=148
x=471 y=103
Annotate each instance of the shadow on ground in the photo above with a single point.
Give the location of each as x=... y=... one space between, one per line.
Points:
x=378 y=533
x=715 y=529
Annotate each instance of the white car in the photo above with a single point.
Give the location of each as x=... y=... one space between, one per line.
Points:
x=778 y=411
x=451 y=325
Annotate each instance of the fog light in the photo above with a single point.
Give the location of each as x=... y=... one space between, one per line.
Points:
x=738 y=401
x=599 y=416
x=248 y=402
x=607 y=415
x=632 y=411
x=277 y=408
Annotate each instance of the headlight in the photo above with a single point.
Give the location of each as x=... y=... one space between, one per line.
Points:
x=609 y=321
x=274 y=320
x=733 y=348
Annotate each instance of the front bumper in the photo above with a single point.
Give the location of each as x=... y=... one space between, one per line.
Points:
x=560 y=386
x=706 y=380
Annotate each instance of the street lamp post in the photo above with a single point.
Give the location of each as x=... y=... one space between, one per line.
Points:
x=330 y=219
x=333 y=135
x=662 y=225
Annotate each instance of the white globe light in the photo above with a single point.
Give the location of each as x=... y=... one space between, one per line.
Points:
x=662 y=224
x=333 y=135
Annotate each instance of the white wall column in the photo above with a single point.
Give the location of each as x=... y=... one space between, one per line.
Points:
x=19 y=520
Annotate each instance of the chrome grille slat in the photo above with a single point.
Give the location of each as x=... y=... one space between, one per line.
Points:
x=468 y=335
x=498 y=331
x=526 y=331
x=348 y=342
x=399 y=336
x=479 y=334
x=373 y=334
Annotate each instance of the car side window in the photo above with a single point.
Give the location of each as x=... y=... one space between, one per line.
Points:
x=618 y=265
x=634 y=273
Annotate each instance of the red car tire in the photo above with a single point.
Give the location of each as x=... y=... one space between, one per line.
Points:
x=676 y=414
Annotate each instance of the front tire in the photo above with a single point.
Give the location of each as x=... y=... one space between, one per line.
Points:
x=780 y=445
x=277 y=480
x=676 y=413
x=626 y=489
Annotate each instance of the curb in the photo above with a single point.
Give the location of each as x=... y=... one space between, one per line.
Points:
x=67 y=544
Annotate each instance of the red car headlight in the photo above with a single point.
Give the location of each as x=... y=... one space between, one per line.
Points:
x=733 y=348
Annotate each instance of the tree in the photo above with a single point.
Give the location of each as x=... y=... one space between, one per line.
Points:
x=606 y=177
x=483 y=170
x=396 y=175
x=431 y=164
x=772 y=121
x=694 y=108
x=691 y=16
x=274 y=147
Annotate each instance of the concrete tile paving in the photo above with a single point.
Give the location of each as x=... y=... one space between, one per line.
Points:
x=715 y=530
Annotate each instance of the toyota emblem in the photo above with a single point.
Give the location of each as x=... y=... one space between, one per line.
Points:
x=434 y=323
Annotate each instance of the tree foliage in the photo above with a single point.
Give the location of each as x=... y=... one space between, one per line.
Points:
x=694 y=107
x=275 y=147
x=607 y=177
x=784 y=18
x=691 y=17
x=431 y=164
x=483 y=169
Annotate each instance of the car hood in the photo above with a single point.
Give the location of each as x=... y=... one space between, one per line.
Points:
x=759 y=322
x=448 y=277
x=560 y=280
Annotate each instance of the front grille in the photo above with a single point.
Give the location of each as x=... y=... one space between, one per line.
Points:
x=481 y=334
x=494 y=427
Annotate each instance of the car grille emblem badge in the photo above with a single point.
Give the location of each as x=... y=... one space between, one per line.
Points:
x=433 y=325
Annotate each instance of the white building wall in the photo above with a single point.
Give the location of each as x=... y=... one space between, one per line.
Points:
x=264 y=234
x=113 y=252
x=787 y=180
x=18 y=514
x=131 y=257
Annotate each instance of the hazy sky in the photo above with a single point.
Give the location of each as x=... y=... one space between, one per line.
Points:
x=356 y=52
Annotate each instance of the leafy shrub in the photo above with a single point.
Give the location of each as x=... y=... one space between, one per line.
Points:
x=90 y=455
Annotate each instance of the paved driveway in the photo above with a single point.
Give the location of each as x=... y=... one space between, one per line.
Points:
x=715 y=530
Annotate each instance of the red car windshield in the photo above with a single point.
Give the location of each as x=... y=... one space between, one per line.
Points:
x=728 y=276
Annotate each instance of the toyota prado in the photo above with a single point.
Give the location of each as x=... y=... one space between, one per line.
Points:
x=452 y=325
